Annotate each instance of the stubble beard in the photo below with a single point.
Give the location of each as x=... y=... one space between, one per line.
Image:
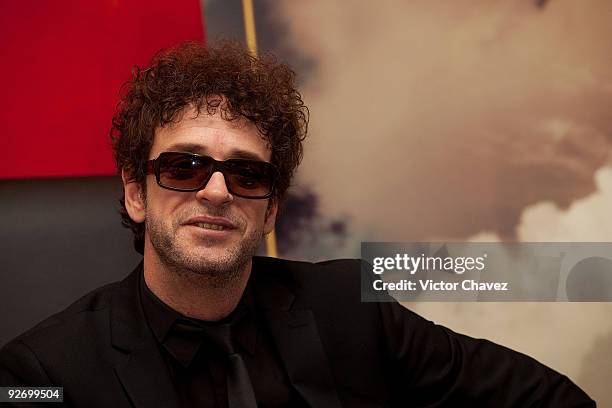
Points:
x=222 y=271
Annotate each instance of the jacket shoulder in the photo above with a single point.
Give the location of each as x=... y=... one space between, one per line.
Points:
x=315 y=283
x=338 y=266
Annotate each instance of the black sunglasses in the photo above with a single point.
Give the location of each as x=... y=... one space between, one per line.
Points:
x=191 y=172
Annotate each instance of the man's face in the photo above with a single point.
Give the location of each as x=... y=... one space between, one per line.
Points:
x=209 y=232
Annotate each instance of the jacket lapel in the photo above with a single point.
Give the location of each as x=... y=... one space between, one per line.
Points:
x=297 y=340
x=142 y=371
x=144 y=374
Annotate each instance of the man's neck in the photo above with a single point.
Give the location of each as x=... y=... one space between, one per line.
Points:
x=192 y=294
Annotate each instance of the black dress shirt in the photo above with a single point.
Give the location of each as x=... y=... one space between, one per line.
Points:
x=197 y=366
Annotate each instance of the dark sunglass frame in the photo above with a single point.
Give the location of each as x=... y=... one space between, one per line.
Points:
x=225 y=166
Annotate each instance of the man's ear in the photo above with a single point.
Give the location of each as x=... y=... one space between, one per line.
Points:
x=270 y=219
x=134 y=198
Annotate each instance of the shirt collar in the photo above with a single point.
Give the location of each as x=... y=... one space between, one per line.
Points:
x=161 y=319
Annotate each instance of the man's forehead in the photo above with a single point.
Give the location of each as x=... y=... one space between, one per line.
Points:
x=206 y=133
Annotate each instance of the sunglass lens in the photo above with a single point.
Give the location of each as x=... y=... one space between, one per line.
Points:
x=250 y=178
x=183 y=171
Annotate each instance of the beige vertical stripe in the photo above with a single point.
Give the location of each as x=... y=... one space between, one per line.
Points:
x=249 y=26
x=251 y=39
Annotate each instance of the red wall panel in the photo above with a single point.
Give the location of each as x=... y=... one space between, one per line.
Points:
x=62 y=64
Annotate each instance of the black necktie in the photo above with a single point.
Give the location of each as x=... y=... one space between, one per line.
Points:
x=240 y=392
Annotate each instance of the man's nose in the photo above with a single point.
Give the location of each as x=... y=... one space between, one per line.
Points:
x=215 y=191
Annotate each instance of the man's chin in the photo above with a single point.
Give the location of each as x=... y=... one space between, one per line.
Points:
x=212 y=262
x=189 y=255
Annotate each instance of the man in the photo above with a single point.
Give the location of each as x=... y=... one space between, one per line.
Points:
x=206 y=140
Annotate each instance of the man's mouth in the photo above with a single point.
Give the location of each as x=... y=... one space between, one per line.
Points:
x=210 y=226
x=211 y=223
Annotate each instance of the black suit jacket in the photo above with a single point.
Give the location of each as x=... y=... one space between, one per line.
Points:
x=337 y=351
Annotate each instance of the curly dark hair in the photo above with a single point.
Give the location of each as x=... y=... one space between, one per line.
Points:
x=223 y=76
